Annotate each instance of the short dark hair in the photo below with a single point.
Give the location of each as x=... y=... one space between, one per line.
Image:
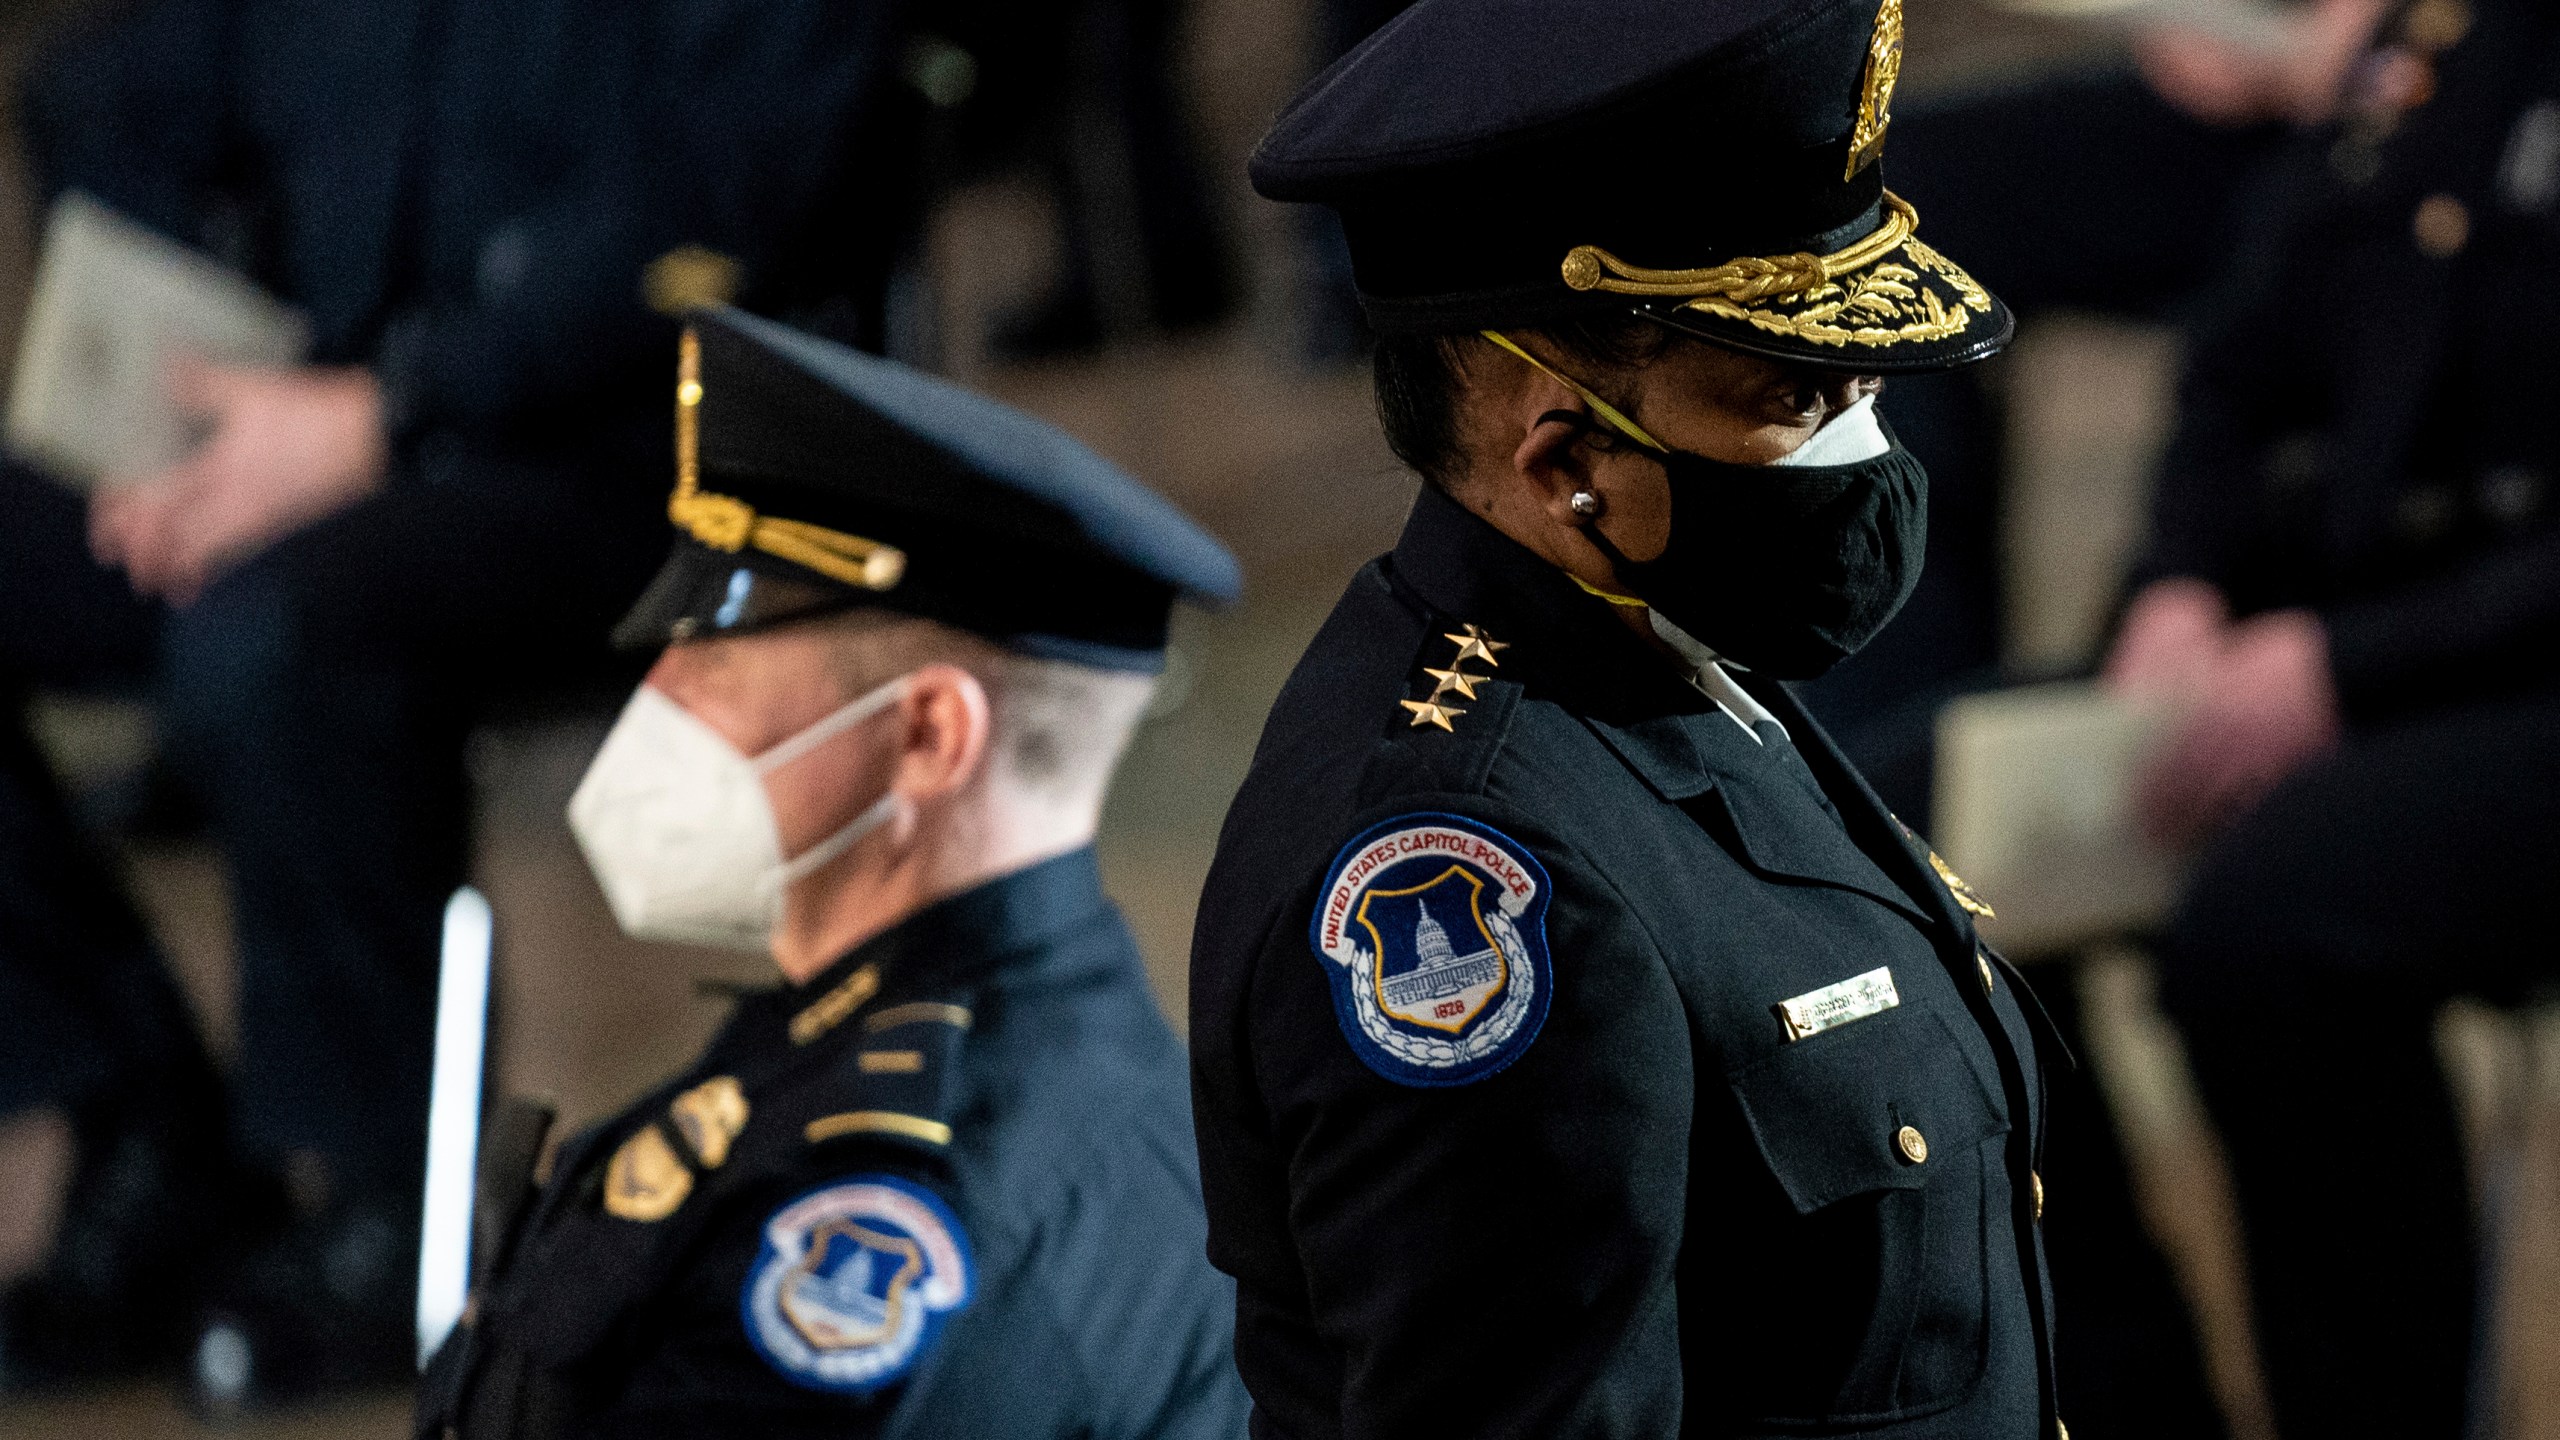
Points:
x=1419 y=380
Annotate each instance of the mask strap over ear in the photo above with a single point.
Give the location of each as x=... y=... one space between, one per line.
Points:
x=810 y=861
x=1608 y=413
x=1613 y=597
x=1599 y=407
x=844 y=718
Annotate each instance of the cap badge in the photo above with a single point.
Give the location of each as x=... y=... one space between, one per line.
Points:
x=690 y=278
x=1875 y=94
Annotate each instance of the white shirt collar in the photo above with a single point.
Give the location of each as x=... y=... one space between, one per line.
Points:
x=1708 y=673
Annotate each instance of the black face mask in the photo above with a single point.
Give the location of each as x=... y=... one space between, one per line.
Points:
x=1786 y=569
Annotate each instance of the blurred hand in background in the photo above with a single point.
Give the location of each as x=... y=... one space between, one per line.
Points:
x=2225 y=80
x=2253 y=702
x=283 y=449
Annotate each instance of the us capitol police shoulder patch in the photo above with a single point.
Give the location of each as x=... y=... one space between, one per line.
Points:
x=1434 y=930
x=854 y=1283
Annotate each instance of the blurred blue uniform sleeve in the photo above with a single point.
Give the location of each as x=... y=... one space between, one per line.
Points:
x=133 y=110
x=738 y=118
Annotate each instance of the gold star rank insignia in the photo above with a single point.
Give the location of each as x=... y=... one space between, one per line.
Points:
x=1474 y=644
x=1427 y=712
x=1458 y=680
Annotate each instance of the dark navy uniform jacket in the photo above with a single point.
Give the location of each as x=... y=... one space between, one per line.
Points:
x=1657 y=1215
x=988 y=1085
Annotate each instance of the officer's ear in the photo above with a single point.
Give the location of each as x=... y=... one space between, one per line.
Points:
x=1555 y=457
x=944 y=725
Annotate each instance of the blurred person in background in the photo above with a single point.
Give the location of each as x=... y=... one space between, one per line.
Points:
x=2351 y=599
x=473 y=203
x=1090 y=97
x=939 y=1180
x=2119 y=189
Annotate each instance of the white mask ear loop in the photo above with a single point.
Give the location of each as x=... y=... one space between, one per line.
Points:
x=841 y=720
x=873 y=816
x=816 y=857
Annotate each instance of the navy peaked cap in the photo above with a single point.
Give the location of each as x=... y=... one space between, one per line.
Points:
x=813 y=478
x=1713 y=165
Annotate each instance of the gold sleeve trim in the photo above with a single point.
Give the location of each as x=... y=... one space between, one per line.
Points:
x=919 y=1012
x=878 y=1122
x=890 y=1062
x=725 y=522
x=829 y=1010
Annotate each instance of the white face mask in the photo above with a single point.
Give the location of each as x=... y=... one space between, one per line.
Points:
x=676 y=825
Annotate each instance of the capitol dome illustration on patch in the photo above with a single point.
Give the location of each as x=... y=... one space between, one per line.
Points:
x=1444 y=989
x=1434 y=930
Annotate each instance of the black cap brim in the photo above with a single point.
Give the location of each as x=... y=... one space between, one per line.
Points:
x=701 y=592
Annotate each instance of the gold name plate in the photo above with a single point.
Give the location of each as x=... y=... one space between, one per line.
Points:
x=1855 y=998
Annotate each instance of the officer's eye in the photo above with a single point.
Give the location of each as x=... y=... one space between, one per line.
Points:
x=1796 y=402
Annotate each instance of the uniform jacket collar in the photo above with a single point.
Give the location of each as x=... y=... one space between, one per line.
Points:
x=958 y=938
x=1566 y=646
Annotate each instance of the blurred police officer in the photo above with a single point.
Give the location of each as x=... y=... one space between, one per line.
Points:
x=472 y=201
x=2353 y=584
x=2115 y=189
x=1579 y=1047
x=936 y=1183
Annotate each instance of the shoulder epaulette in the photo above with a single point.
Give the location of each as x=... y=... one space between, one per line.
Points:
x=1440 y=708
x=894 y=1083
x=1451 y=734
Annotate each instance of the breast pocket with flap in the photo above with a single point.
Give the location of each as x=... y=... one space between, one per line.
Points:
x=1883 y=1139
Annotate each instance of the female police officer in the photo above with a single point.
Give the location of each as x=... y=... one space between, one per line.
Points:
x=1578 y=1047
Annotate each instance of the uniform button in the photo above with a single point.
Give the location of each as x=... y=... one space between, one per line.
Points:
x=1914 y=1145
x=1985 y=962
x=2441 y=226
x=2035 y=1187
